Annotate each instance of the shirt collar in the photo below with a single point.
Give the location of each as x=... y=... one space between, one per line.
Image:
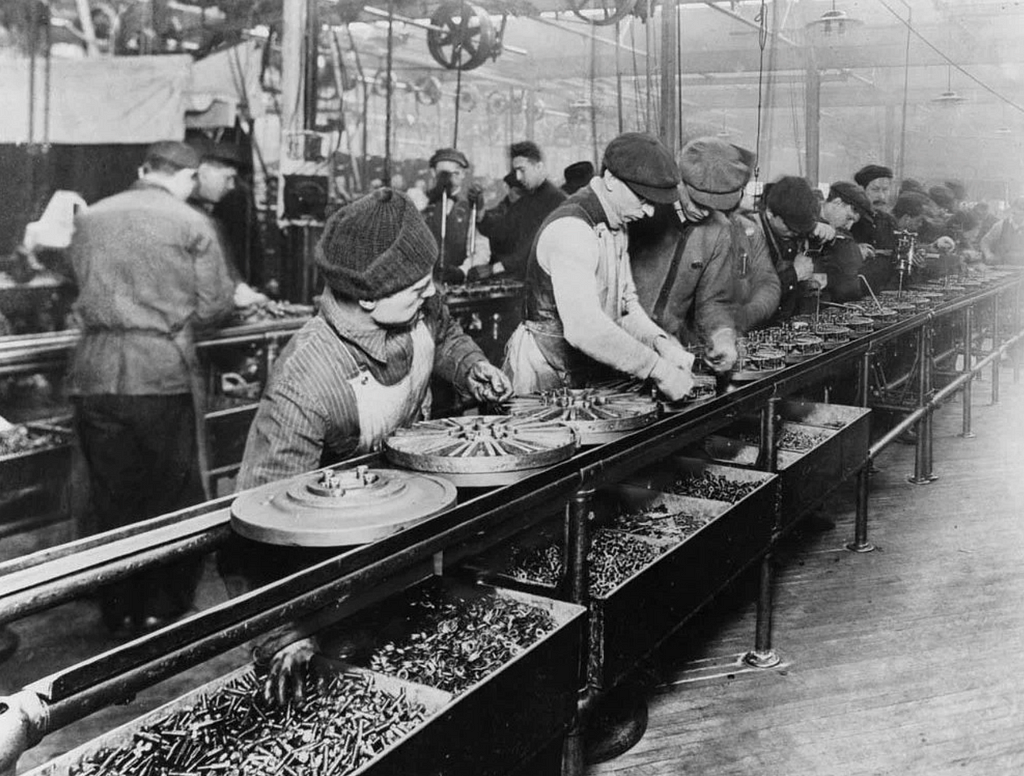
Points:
x=609 y=209
x=354 y=325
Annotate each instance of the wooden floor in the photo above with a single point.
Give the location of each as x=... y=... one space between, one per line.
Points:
x=908 y=660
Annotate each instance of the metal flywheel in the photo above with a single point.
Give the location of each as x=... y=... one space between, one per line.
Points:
x=336 y=508
x=481 y=451
x=462 y=37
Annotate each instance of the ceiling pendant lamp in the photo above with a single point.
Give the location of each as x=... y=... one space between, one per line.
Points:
x=949 y=97
x=833 y=21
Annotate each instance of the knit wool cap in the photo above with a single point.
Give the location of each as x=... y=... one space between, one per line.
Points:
x=715 y=172
x=794 y=201
x=376 y=246
x=853 y=195
x=172 y=152
x=871 y=172
x=449 y=155
x=909 y=184
x=644 y=164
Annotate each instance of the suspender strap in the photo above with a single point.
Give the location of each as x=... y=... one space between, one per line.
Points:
x=670 y=278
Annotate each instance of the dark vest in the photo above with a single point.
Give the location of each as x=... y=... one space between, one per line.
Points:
x=540 y=313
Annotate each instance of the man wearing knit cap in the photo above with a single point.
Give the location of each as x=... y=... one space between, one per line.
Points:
x=683 y=265
x=150 y=274
x=583 y=319
x=360 y=369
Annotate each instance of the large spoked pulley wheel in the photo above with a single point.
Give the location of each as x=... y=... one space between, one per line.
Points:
x=481 y=451
x=464 y=36
x=599 y=14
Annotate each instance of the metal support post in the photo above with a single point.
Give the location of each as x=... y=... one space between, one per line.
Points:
x=1016 y=330
x=577 y=547
x=922 y=452
x=995 y=347
x=928 y=421
x=763 y=656
x=968 y=359
x=860 y=541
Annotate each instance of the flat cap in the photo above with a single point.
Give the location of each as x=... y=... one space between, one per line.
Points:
x=794 y=201
x=852 y=195
x=172 y=152
x=449 y=155
x=223 y=153
x=870 y=172
x=644 y=164
x=912 y=203
x=715 y=172
x=942 y=197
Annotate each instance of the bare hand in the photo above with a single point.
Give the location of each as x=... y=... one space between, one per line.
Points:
x=673 y=382
x=804 y=266
x=722 y=354
x=819 y=280
x=867 y=251
x=670 y=350
x=246 y=296
x=286 y=680
x=488 y=383
x=824 y=232
x=687 y=209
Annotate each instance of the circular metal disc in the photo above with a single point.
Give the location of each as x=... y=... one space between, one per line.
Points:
x=599 y=414
x=488 y=446
x=338 y=508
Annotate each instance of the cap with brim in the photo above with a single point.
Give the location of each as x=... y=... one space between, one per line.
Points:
x=871 y=172
x=854 y=196
x=645 y=165
x=715 y=172
x=173 y=152
x=449 y=155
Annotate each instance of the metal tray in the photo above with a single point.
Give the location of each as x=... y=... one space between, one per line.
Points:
x=36 y=482
x=806 y=477
x=503 y=721
x=434 y=701
x=632 y=619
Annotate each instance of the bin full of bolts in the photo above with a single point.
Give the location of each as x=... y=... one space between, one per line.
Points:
x=651 y=555
x=819 y=446
x=509 y=659
x=35 y=466
x=351 y=721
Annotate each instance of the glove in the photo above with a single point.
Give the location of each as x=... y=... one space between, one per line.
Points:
x=475 y=196
x=673 y=382
x=670 y=350
x=487 y=383
x=286 y=679
x=722 y=355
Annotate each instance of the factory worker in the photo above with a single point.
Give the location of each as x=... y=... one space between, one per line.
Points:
x=877 y=235
x=583 y=319
x=683 y=266
x=361 y=368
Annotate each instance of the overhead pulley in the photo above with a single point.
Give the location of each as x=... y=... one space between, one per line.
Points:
x=463 y=37
x=602 y=15
x=428 y=90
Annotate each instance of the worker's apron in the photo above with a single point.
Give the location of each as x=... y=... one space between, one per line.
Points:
x=383 y=408
x=185 y=343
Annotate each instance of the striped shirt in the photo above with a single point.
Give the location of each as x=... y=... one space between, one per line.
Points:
x=308 y=416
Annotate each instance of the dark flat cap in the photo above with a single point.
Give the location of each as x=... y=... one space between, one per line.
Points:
x=912 y=203
x=644 y=164
x=715 y=172
x=942 y=197
x=222 y=153
x=172 y=152
x=449 y=155
x=852 y=195
x=870 y=172
x=794 y=201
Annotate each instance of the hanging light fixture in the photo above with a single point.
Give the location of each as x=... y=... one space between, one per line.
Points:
x=833 y=21
x=949 y=97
